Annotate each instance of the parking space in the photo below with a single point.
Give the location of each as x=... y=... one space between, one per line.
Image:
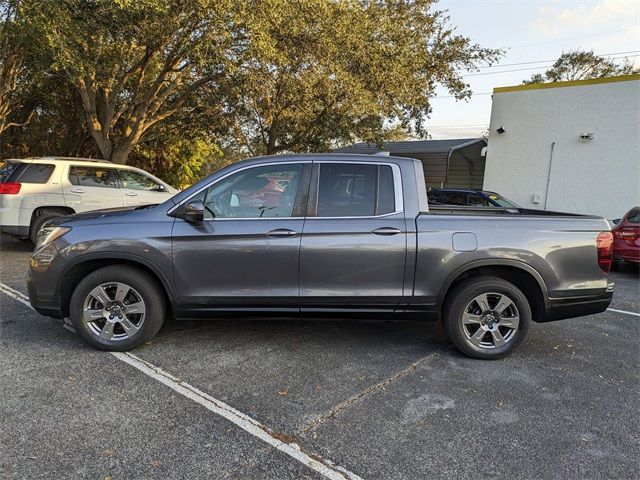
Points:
x=378 y=399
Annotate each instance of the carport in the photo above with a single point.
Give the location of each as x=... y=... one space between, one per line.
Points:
x=456 y=163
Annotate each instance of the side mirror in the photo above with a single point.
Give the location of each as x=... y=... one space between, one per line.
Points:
x=161 y=188
x=193 y=211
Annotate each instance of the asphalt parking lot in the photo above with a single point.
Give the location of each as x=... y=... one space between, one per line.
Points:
x=356 y=399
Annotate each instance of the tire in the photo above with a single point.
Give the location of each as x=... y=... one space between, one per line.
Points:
x=117 y=308
x=39 y=219
x=490 y=305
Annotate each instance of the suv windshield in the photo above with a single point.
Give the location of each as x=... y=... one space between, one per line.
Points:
x=6 y=169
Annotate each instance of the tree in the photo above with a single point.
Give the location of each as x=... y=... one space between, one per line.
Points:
x=582 y=65
x=320 y=73
x=12 y=65
x=134 y=64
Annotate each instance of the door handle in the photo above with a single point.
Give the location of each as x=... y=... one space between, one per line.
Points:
x=77 y=190
x=386 y=231
x=281 y=232
x=131 y=194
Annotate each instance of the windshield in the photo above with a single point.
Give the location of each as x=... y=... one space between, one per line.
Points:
x=6 y=169
x=503 y=202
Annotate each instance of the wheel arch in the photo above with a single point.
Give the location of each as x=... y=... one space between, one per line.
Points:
x=523 y=276
x=82 y=266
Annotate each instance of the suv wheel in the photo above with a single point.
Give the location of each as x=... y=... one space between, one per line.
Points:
x=117 y=308
x=39 y=219
x=486 y=317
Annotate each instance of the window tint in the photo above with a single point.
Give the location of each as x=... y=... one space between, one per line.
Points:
x=7 y=170
x=37 y=173
x=137 y=181
x=455 y=198
x=260 y=192
x=477 y=201
x=348 y=190
x=634 y=216
x=92 y=176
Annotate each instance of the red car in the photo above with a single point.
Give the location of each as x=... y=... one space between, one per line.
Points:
x=626 y=238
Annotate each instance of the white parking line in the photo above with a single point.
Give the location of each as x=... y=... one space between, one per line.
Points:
x=624 y=311
x=323 y=466
x=15 y=294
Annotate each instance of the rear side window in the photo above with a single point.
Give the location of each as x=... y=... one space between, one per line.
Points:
x=634 y=216
x=36 y=173
x=455 y=198
x=477 y=201
x=92 y=176
x=7 y=170
x=353 y=190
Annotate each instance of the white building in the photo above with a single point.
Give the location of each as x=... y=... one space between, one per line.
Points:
x=567 y=146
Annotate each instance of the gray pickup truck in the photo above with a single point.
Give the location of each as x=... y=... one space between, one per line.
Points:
x=318 y=236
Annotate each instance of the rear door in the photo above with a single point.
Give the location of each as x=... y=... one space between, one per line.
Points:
x=354 y=241
x=141 y=189
x=89 y=187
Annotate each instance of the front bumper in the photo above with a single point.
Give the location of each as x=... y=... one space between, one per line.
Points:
x=46 y=268
x=47 y=306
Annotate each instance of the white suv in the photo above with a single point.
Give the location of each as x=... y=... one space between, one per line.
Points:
x=35 y=190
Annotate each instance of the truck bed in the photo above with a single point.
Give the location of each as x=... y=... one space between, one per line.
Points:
x=465 y=210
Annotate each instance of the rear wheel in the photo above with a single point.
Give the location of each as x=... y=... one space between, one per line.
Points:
x=486 y=317
x=40 y=218
x=117 y=308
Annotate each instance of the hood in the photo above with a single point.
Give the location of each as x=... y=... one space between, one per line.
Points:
x=99 y=214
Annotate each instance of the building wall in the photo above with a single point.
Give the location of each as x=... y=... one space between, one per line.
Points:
x=600 y=176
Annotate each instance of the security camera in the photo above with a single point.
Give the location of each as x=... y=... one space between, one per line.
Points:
x=585 y=137
x=500 y=130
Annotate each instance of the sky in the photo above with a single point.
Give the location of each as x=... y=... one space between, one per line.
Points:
x=529 y=31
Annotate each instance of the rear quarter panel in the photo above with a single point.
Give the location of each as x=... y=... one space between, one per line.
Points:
x=561 y=250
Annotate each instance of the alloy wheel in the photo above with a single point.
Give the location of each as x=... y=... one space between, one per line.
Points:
x=114 y=311
x=490 y=320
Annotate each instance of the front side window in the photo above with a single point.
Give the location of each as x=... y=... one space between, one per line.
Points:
x=354 y=190
x=261 y=192
x=92 y=176
x=137 y=181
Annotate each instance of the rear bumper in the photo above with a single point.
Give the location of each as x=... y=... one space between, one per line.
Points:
x=561 y=308
x=15 y=230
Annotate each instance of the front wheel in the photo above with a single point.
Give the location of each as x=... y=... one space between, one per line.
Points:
x=117 y=308
x=486 y=317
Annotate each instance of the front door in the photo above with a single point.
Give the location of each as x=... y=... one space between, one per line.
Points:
x=245 y=253
x=140 y=189
x=354 y=241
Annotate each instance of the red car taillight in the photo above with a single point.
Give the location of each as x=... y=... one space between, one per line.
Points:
x=628 y=234
x=9 y=188
x=604 y=243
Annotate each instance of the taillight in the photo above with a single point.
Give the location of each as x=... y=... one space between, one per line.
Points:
x=9 y=188
x=604 y=243
x=628 y=234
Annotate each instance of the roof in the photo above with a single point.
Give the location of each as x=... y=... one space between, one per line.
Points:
x=574 y=83
x=410 y=146
x=53 y=158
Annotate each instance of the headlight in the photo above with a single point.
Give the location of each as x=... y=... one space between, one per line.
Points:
x=48 y=234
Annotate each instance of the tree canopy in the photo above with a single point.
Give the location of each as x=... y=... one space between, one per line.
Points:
x=582 y=65
x=143 y=80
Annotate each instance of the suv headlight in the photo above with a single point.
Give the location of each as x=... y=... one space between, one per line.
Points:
x=48 y=234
